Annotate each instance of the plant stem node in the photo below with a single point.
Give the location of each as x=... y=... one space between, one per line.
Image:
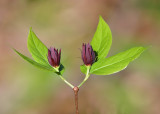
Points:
x=76 y=89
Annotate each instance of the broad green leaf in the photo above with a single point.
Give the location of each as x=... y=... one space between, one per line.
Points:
x=34 y=62
x=37 y=49
x=102 y=39
x=39 y=53
x=116 y=63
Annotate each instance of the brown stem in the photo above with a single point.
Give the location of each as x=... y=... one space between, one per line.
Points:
x=76 y=89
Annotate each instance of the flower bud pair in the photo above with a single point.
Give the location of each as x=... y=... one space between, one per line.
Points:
x=88 y=55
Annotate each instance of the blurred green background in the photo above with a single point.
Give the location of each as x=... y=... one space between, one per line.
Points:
x=66 y=24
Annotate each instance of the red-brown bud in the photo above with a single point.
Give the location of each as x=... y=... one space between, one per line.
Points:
x=88 y=55
x=54 y=57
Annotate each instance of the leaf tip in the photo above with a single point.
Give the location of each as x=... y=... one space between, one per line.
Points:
x=144 y=48
x=30 y=28
x=101 y=18
x=30 y=31
x=14 y=49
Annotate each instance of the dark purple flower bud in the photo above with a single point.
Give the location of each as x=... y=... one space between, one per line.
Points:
x=54 y=57
x=88 y=55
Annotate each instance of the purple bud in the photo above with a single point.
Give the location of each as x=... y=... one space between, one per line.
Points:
x=54 y=57
x=88 y=55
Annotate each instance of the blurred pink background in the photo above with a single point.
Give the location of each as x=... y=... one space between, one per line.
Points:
x=66 y=24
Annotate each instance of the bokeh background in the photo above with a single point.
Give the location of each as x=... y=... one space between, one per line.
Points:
x=66 y=24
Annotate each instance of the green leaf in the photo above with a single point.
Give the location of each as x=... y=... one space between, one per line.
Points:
x=34 y=62
x=39 y=53
x=117 y=62
x=37 y=49
x=83 y=69
x=102 y=39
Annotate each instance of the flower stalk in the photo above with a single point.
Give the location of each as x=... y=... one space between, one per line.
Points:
x=69 y=84
x=86 y=77
x=76 y=89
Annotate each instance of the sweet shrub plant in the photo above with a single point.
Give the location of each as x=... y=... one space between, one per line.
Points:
x=93 y=56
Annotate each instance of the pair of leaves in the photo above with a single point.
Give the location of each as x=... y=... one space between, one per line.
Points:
x=101 y=43
x=39 y=53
